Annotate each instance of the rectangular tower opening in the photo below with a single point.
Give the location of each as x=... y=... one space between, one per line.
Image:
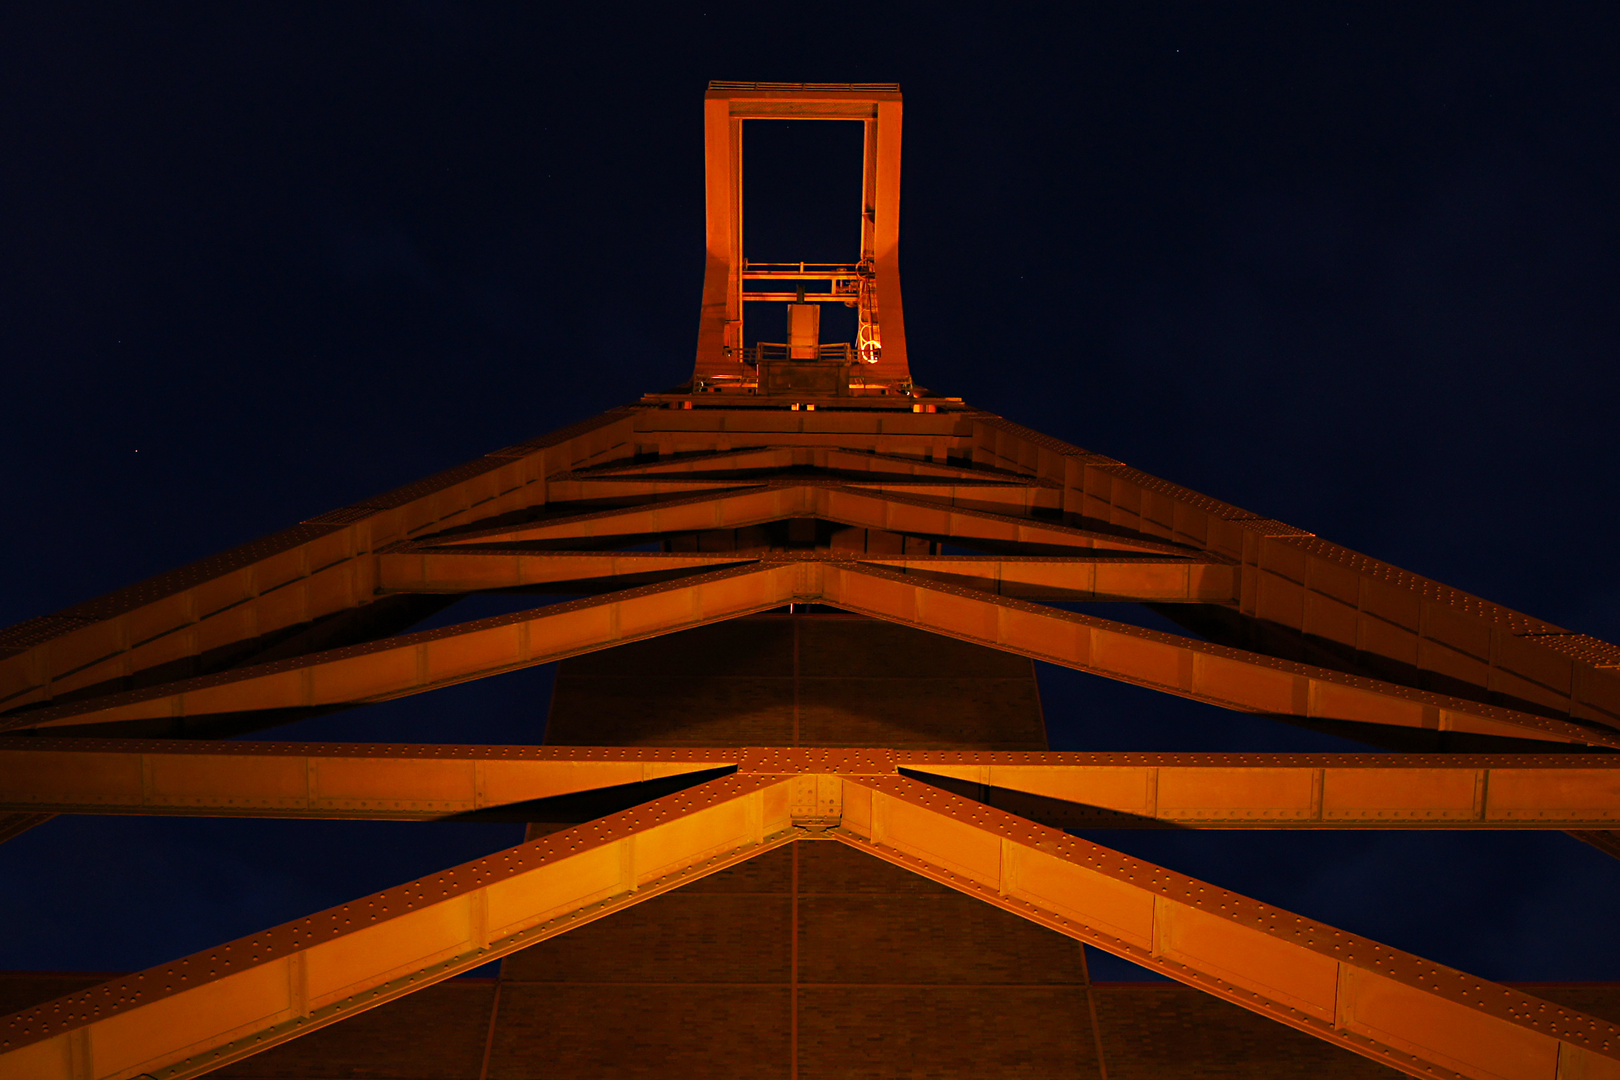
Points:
x=802 y=203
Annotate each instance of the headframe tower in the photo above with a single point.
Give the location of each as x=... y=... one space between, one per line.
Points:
x=795 y=814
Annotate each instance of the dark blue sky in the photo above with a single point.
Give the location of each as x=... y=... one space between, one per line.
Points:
x=1350 y=266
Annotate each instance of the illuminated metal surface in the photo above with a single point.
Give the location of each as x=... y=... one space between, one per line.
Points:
x=406 y=781
x=863 y=493
x=1414 y=1015
x=196 y=1014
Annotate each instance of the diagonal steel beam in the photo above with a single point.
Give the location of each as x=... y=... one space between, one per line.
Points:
x=192 y=1016
x=422 y=568
x=413 y=663
x=413 y=568
x=987 y=493
x=1395 y=621
x=1230 y=678
x=1413 y=1015
x=801 y=497
x=1075 y=577
x=309 y=571
x=15 y=824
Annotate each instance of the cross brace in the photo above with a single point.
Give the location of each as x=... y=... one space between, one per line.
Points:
x=196 y=1014
x=1230 y=678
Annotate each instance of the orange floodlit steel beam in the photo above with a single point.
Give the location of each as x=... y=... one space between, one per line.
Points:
x=1075 y=577
x=300 y=574
x=1420 y=1017
x=1295 y=579
x=1270 y=791
x=763 y=458
x=988 y=493
x=315 y=780
x=412 y=663
x=406 y=781
x=800 y=497
x=726 y=105
x=411 y=569
x=1230 y=678
x=189 y=1017
x=675 y=432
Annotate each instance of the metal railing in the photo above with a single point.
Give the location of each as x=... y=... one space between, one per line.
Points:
x=841 y=353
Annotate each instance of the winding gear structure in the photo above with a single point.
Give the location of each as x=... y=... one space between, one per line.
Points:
x=804 y=594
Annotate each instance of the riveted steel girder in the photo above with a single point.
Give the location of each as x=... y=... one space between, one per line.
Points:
x=1231 y=678
x=1267 y=791
x=406 y=781
x=307 y=572
x=191 y=1016
x=1328 y=594
x=1420 y=1017
x=413 y=663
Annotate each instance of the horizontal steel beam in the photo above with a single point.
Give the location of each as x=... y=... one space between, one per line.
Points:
x=1230 y=678
x=994 y=493
x=1327 y=791
x=412 y=663
x=761 y=459
x=192 y=1016
x=312 y=780
x=1413 y=1015
x=406 y=781
x=776 y=501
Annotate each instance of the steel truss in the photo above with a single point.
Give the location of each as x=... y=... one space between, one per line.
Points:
x=757 y=503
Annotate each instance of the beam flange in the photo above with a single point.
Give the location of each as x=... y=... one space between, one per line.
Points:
x=1398 y=1009
x=192 y=1016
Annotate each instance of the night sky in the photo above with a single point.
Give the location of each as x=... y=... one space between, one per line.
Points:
x=1354 y=267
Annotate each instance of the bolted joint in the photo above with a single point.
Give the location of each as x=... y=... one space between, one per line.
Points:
x=816 y=802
